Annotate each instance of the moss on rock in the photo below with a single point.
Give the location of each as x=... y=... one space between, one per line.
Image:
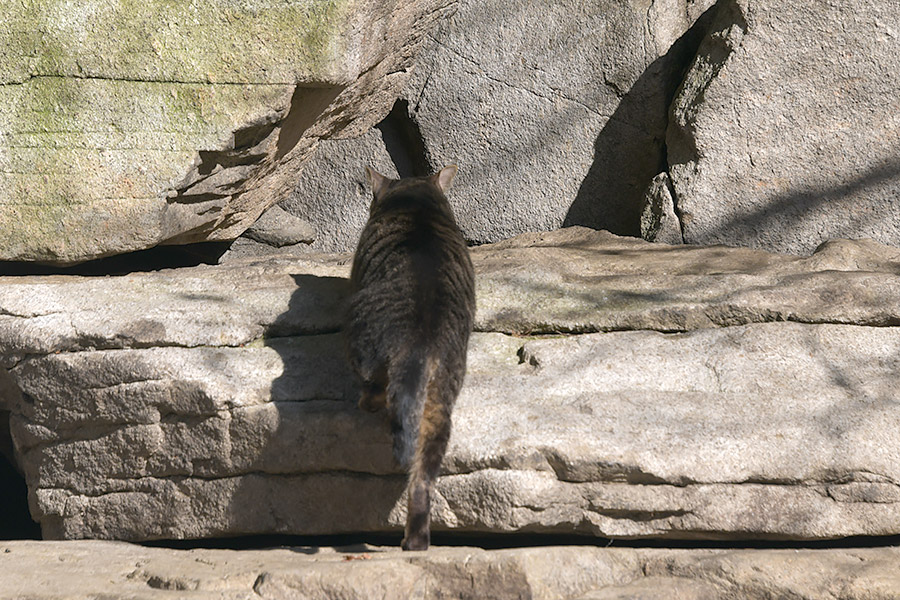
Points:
x=107 y=105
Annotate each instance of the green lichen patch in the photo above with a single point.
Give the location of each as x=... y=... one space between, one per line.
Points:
x=221 y=41
x=85 y=163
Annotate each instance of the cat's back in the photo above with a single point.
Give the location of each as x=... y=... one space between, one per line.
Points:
x=412 y=275
x=411 y=237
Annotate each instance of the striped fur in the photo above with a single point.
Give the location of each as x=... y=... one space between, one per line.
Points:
x=410 y=315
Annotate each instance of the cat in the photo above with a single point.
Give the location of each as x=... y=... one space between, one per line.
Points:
x=409 y=318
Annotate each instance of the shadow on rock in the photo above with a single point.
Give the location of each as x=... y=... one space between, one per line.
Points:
x=782 y=218
x=630 y=149
x=321 y=466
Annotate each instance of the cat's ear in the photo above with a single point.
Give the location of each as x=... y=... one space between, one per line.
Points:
x=376 y=180
x=444 y=177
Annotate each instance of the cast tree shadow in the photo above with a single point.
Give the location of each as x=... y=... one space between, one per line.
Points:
x=866 y=206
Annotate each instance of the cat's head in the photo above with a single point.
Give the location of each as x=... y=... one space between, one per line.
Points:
x=381 y=185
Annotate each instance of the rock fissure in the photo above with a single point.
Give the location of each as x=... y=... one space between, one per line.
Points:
x=482 y=72
x=822 y=487
x=165 y=81
x=642 y=515
x=404 y=142
x=145 y=484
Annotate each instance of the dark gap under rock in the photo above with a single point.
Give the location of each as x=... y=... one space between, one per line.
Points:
x=354 y=543
x=153 y=259
x=15 y=519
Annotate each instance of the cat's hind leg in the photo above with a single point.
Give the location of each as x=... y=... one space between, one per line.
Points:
x=373 y=395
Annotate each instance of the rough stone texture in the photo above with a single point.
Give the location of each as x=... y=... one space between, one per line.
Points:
x=332 y=193
x=785 y=131
x=214 y=401
x=782 y=134
x=659 y=222
x=278 y=228
x=188 y=122
x=83 y=570
x=553 y=116
x=583 y=281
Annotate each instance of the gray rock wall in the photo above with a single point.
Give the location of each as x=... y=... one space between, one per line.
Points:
x=749 y=124
x=785 y=132
x=773 y=125
x=554 y=115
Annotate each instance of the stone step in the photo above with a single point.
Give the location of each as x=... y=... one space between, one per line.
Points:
x=94 y=568
x=214 y=401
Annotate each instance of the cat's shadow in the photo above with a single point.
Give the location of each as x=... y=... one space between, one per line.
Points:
x=320 y=466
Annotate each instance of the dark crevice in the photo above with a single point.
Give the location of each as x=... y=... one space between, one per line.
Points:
x=360 y=542
x=404 y=142
x=631 y=148
x=676 y=205
x=15 y=518
x=15 y=522
x=642 y=516
x=153 y=259
x=202 y=197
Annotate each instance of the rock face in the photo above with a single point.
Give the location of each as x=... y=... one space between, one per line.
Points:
x=659 y=222
x=554 y=116
x=616 y=388
x=775 y=126
x=785 y=130
x=186 y=124
x=556 y=573
x=751 y=124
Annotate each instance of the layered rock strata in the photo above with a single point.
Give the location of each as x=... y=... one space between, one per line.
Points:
x=615 y=388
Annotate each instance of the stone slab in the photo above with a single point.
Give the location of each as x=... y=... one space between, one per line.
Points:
x=82 y=570
x=737 y=394
x=773 y=430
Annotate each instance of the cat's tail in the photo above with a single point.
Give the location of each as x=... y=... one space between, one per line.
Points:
x=407 y=393
x=421 y=404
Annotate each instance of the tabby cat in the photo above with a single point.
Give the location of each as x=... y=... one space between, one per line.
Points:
x=410 y=315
